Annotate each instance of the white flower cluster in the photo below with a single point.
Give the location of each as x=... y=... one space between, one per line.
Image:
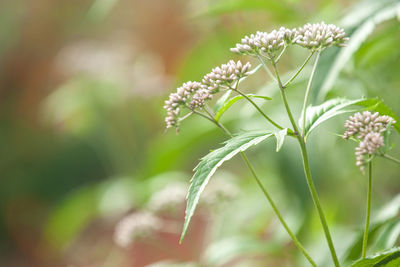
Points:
x=135 y=226
x=312 y=36
x=225 y=75
x=368 y=128
x=265 y=43
x=193 y=95
x=170 y=198
x=320 y=35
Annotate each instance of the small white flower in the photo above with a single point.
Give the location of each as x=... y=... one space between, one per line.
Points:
x=225 y=75
x=367 y=127
x=264 y=43
x=320 y=35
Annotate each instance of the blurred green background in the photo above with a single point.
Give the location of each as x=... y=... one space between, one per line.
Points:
x=82 y=139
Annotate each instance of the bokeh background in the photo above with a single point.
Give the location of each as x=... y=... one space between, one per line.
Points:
x=83 y=141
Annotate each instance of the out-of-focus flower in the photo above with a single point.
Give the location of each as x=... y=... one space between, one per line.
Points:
x=367 y=127
x=217 y=191
x=320 y=35
x=225 y=75
x=135 y=226
x=170 y=198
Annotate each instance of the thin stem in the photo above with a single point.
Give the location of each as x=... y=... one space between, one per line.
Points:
x=298 y=71
x=316 y=200
x=386 y=156
x=289 y=112
x=307 y=172
x=258 y=108
x=280 y=54
x=266 y=68
x=365 y=239
x=278 y=214
x=308 y=91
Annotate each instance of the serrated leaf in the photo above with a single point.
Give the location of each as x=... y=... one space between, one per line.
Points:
x=389 y=258
x=316 y=115
x=209 y=164
x=280 y=138
x=232 y=101
x=359 y=27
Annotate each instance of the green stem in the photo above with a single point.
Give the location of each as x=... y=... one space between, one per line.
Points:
x=365 y=239
x=298 y=71
x=308 y=91
x=386 y=156
x=271 y=202
x=266 y=68
x=258 y=108
x=307 y=172
x=316 y=200
x=278 y=214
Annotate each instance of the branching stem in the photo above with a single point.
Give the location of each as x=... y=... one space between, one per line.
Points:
x=307 y=172
x=266 y=194
x=303 y=115
x=386 y=156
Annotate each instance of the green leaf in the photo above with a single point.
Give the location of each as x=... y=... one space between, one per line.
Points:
x=232 y=101
x=389 y=258
x=359 y=25
x=388 y=236
x=221 y=101
x=316 y=115
x=280 y=138
x=209 y=164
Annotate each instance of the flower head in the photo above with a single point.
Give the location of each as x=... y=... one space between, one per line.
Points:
x=361 y=124
x=135 y=226
x=367 y=127
x=225 y=75
x=186 y=95
x=320 y=36
x=264 y=43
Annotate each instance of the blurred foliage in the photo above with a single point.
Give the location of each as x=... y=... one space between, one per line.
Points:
x=83 y=141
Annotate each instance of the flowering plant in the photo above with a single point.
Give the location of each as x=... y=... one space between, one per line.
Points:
x=370 y=130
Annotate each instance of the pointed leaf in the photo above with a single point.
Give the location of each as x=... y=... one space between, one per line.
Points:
x=280 y=138
x=389 y=258
x=209 y=164
x=316 y=115
x=232 y=101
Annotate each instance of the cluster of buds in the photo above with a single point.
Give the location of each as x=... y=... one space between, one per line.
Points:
x=312 y=36
x=320 y=35
x=193 y=95
x=264 y=43
x=367 y=127
x=135 y=226
x=225 y=75
x=186 y=95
